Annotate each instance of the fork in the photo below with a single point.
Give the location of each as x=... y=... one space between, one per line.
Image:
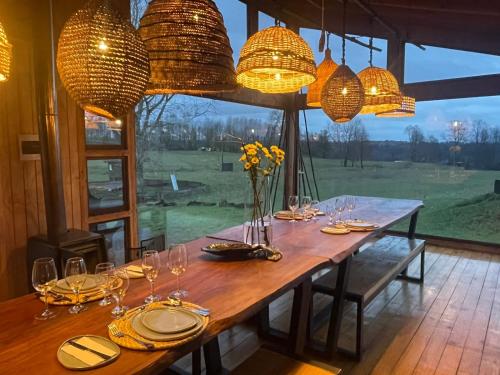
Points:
x=115 y=331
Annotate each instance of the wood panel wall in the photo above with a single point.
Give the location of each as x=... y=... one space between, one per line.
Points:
x=22 y=211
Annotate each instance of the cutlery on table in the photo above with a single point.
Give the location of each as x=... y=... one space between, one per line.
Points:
x=82 y=347
x=115 y=331
x=175 y=302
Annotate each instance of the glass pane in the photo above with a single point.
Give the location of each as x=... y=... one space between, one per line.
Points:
x=100 y=131
x=190 y=183
x=105 y=184
x=448 y=155
x=115 y=234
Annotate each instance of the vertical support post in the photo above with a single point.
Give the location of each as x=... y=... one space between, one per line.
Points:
x=291 y=150
x=252 y=18
x=396 y=59
x=213 y=362
x=300 y=317
x=413 y=226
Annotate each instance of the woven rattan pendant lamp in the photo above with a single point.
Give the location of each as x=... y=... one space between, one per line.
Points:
x=102 y=61
x=406 y=109
x=5 y=55
x=276 y=60
x=381 y=88
x=325 y=70
x=342 y=95
x=188 y=46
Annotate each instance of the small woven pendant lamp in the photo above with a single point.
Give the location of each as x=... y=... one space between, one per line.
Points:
x=276 y=60
x=342 y=95
x=5 y=55
x=407 y=109
x=325 y=70
x=188 y=46
x=381 y=88
x=102 y=61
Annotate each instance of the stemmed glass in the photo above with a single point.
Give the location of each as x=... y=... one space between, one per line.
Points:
x=120 y=291
x=75 y=275
x=331 y=214
x=306 y=206
x=339 y=207
x=351 y=205
x=151 y=268
x=315 y=209
x=104 y=273
x=44 y=278
x=293 y=205
x=177 y=264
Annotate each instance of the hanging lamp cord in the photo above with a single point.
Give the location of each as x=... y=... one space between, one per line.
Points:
x=276 y=178
x=344 y=3
x=310 y=157
x=371 y=51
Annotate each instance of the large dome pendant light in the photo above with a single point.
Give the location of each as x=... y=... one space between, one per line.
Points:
x=102 y=62
x=325 y=70
x=381 y=88
x=406 y=109
x=342 y=95
x=188 y=46
x=276 y=60
x=5 y=55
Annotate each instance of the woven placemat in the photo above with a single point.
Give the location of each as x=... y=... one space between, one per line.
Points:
x=94 y=295
x=125 y=325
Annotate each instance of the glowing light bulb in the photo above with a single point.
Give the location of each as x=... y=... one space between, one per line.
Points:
x=373 y=90
x=344 y=91
x=277 y=76
x=103 y=46
x=3 y=78
x=118 y=122
x=275 y=57
x=196 y=17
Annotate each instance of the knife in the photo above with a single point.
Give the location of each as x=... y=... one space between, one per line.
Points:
x=79 y=346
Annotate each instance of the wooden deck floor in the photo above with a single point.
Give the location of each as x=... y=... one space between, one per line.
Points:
x=450 y=325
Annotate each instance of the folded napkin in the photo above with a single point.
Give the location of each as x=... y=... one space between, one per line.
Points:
x=90 y=343
x=89 y=358
x=134 y=272
x=335 y=230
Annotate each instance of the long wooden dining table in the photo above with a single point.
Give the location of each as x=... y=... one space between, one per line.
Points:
x=234 y=291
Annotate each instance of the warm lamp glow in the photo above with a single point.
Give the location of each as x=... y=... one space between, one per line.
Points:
x=5 y=55
x=344 y=91
x=325 y=70
x=381 y=90
x=189 y=51
x=276 y=60
x=109 y=86
x=407 y=109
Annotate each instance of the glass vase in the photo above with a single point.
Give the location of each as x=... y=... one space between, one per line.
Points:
x=258 y=228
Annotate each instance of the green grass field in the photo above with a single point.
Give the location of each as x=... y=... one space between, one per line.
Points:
x=458 y=203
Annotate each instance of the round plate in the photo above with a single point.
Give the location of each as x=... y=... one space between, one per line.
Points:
x=287 y=215
x=74 y=363
x=89 y=284
x=168 y=320
x=334 y=230
x=362 y=225
x=229 y=249
x=143 y=331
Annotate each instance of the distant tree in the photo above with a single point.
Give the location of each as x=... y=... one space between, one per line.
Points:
x=480 y=132
x=415 y=139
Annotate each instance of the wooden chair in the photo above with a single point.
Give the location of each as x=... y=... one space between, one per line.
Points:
x=154 y=243
x=267 y=362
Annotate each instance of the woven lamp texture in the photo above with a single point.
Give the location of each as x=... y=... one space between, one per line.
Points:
x=102 y=61
x=276 y=60
x=407 y=109
x=381 y=90
x=5 y=55
x=188 y=46
x=343 y=95
x=325 y=70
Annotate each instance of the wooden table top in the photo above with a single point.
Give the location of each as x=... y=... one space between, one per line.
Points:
x=233 y=290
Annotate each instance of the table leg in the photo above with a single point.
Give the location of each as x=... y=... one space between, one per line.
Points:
x=213 y=362
x=196 y=362
x=344 y=269
x=300 y=317
x=411 y=235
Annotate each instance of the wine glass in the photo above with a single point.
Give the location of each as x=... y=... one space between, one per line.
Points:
x=177 y=264
x=75 y=275
x=104 y=273
x=339 y=207
x=306 y=206
x=351 y=205
x=293 y=205
x=315 y=209
x=44 y=278
x=330 y=210
x=151 y=268
x=121 y=280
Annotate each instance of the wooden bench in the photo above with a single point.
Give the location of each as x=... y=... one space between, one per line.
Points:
x=266 y=362
x=371 y=271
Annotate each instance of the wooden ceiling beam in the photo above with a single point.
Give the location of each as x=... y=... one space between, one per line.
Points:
x=251 y=97
x=456 y=88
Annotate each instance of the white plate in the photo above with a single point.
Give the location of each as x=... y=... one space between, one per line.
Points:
x=89 y=284
x=169 y=320
x=362 y=225
x=145 y=332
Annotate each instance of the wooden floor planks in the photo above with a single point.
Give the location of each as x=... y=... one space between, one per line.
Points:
x=449 y=325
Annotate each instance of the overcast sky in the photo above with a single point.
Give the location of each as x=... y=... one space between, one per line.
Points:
x=434 y=63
